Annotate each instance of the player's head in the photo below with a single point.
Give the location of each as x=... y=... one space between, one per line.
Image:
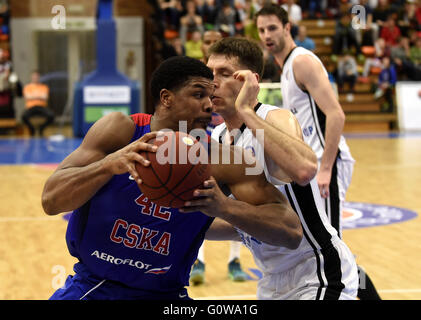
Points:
x=181 y=88
x=225 y=58
x=273 y=27
x=209 y=38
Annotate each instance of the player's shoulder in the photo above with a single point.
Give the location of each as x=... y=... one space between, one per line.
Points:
x=305 y=61
x=114 y=129
x=279 y=114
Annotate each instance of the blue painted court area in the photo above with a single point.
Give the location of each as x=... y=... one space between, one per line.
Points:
x=36 y=150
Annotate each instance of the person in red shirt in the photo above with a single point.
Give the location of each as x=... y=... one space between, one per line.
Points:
x=390 y=32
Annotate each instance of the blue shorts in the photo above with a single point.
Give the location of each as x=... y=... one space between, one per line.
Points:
x=85 y=286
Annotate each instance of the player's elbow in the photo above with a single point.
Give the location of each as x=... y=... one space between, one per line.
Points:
x=48 y=204
x=306 y=173
x=290 y=239
x=295 y=239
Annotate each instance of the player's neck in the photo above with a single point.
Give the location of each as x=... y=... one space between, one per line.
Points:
x=159 y=123
x=234 y=123
x=283 y=55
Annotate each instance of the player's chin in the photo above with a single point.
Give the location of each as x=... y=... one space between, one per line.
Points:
x=202 y=123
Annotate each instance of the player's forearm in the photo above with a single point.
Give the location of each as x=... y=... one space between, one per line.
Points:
x=292 y=155
x=69 y=188
x=334 y=128
x=275 y=224
x=221 y=230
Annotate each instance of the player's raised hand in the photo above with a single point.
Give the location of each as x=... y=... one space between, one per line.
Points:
x=210 y=200
x=247 y=97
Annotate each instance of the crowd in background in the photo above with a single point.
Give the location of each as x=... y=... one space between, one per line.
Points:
x=388 y=45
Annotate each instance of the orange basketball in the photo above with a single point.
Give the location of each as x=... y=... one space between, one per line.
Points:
x=179 y=166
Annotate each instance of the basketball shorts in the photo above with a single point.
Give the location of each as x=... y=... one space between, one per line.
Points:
x=340 y=181
x=85 y=286
x=331 y=274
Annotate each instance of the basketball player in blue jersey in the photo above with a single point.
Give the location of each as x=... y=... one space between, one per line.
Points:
x=322 y=267
x=307 y=92
x=128 y=247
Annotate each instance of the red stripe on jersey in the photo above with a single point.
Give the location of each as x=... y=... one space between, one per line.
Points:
x=141 y=119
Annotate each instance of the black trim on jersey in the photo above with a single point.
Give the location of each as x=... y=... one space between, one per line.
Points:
x=332 y=261
x=318 y=268
x=242 y=128
x=334 y=199
x=286 y=58
x=316 y=120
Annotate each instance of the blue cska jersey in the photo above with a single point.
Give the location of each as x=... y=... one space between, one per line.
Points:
x=120 y=235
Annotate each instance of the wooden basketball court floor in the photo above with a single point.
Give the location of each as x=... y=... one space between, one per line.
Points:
x=34 y=259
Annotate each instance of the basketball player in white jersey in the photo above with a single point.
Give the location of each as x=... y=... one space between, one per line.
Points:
x=322 y=267
x=235 y=271
x=307 y=92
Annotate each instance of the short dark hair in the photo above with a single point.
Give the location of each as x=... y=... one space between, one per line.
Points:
x=174 y=72
x=247 y=51
x=273 y=9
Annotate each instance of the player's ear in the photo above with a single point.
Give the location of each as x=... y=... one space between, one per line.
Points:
x=166 y=97
x=257 y=76
x=287 y=27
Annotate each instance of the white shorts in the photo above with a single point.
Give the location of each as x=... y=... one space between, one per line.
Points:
x=334 y=204
x=330 y=274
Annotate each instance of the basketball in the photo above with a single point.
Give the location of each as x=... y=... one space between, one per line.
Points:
x=179 y=166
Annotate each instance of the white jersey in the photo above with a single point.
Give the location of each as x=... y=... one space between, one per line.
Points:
x=312 y=120
x=306 y=201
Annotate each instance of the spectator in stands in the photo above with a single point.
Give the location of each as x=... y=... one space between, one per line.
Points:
x=209 y=38
x=367 y=32
x=36 y=96
x=6 y=107
x=409 y=67
x=347 y=72
x=407 y=19
x=226 y=19
x=190 y=22
x=390 y=31
x=345 y=37
x=380 y=14
x=311 y=8
x=208 y=10
x=171 y=13
x=386 y=84
x=376 y=61
x=302 y=40
x=401 y=50
x=194 y=45
x=415 y=52
x=294 y=15
x=249 y=25
x=178 y=45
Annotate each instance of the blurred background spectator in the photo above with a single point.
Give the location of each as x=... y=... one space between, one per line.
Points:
x=386 y=85
x=294 y=15
x=302 y=40
x=347 y=72
x=190 y=22
x=6 y=109
x=36 y=102
x=194 y=45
